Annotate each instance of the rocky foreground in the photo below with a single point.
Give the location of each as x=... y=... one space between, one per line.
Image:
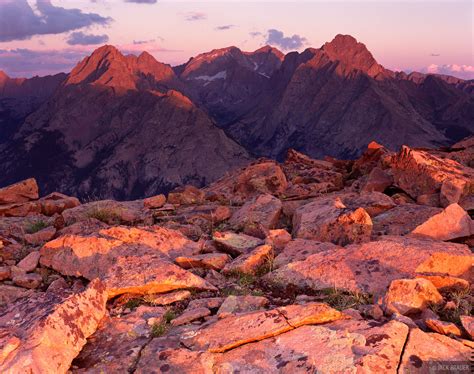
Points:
x=308 y=266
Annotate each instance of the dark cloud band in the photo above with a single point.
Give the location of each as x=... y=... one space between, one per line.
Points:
x=79 y=38
x=142 y=1
x=23 y=62
x=18 y=21
x=225 y=27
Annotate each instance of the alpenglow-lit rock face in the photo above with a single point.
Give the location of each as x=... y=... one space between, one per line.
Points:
x=262 y=271
x=125 y=127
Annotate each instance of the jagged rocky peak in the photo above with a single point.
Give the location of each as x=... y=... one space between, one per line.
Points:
x=269 y=49
x=108 y=66
x=264 y=61
x=352 y=54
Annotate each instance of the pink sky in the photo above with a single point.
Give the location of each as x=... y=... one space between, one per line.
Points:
x=38 y=37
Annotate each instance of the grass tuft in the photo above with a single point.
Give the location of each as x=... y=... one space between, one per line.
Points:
x=133 y=303
x=36 y=226
x=158 y=329
x=340 y=299
x=106 y=215
x=169 y=315
x=463 y=301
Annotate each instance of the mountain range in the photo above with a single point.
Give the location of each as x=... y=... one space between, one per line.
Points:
x=126 y=126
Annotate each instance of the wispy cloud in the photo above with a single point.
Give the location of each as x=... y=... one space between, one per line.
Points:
x=18 y=21
x=79 y=38
x=195 y=16
x=141 y=42
x=278 y=38
x=254 y=34
x=142 y=1
x=460 y=71
x=225 y=27
x=146 y=45
x=23 y=62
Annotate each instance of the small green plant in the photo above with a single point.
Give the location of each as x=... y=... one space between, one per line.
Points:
x=245 y=280
x=104 y=214
x=257 y=293
x=268 y=264
x=230 y=291
x=158 y=329
x=132 y=303
x=36 y=226
x=222 y=226
x=340 y=299
x=169 y=315
x=463 y=305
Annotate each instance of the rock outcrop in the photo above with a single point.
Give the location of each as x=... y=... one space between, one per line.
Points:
x=211 y=281
x=34 y=328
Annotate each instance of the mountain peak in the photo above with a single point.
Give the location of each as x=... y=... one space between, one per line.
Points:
x=344 y=40
x=109 y=67
x=353 y=54
x=270 y=49
x=105 y=50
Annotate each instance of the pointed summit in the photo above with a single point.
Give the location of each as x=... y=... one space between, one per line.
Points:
x=107 y=66
x=269 y=49
x=147 y=64
x=354 y=55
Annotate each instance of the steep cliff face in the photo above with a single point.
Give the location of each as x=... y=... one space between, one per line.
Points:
x=229 y=83
x=116 y=128
x=336 y=99
x=20 y=97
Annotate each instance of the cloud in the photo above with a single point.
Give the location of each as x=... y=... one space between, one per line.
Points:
x=147 y=45
x=276 y=37
x=139 y=42
x=142 y=1
x=460 y=71
x=79 y=38
x=18 y=21
x=254 y=34
x=195 y=16
x=225 y=27
x=23 y=62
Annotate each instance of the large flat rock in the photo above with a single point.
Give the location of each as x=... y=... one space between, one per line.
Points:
x=425 y=350
x=19 y=192
x=111 y=212
x=126 y=259
x=370 y=267
x=328 y=219
x=117 y=343
x=247 y=328
x=452 y=223
x=300 y=249
x=263 y=210
x=352 y=347
x=44 y=332
x=419 y=172
x=403 y=219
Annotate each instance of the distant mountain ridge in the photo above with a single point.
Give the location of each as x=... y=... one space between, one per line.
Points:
x=129 y=126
